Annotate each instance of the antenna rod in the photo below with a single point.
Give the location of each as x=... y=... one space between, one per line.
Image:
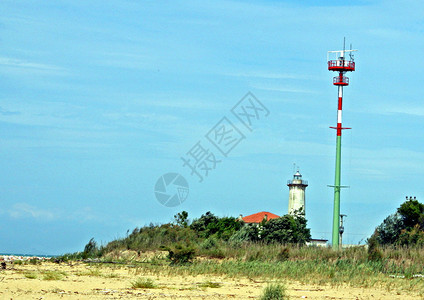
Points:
x=341 y=66
x=344 y=45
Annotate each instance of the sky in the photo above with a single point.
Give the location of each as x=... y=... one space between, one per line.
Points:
x=99 y=99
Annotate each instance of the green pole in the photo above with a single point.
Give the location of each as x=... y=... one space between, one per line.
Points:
x=336 y=211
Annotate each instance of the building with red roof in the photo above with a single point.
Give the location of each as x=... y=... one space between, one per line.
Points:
x=259 y=217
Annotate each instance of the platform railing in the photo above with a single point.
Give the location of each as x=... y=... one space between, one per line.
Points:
x=344 y=80
x=341 y=63
x=305 y=182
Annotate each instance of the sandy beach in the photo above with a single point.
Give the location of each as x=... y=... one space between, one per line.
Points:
x=79 y=280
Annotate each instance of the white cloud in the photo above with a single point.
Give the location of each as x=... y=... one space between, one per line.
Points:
x=6 y=112
x=386 y=163
x=127 y=61
x=24 y=210
x=404 y=109
x=85 y=214
x=268 y=75
x=388 y=109
x=281 y=88
x=153 y=117
x=186 y=103
x=18 y=63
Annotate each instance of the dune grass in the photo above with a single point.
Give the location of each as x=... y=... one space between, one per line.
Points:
x=397 y=270
x=90 y=272
x=53 y=275
x=31 y=275
x=210 y=284
x=141 y=283
x=394 y=268
x=274 y=291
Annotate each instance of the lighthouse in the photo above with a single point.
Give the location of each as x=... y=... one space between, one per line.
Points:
x=297 y=188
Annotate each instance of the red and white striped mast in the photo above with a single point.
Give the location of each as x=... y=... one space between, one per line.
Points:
x=341 y=65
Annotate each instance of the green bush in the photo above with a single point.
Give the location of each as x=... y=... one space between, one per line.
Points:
x=387 y=233
x=284 y=254
x=287 y=229
x=274 y=292
x=248 y=233
x=209 y=224
x=53 y=275
x=215 y=253
x=34 y=261
x=405 y=227
x=414 y=237
x=212 y=236
x=412 y=212
x=30 y=275
x=374 y=253
x=91 y=250
x=210 y=284
x=180 y=254
x=209 y=243
x=69 y=256
x=181 y=219
x=141 y=283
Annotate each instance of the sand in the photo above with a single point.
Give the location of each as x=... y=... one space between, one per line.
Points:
x=83 y=281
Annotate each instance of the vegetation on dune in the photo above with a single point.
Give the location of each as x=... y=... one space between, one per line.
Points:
x=222 y=228
x=289 y=229
x=210 y=284
x=271 y=250
x=209 y=236
x=53 y=275
x=397 y=270
x=141 y=283
x=274 y=292
x=30 y=275
x=405 y=227
x=180 y=254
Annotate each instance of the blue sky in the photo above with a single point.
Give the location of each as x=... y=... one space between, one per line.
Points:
x=100 y=98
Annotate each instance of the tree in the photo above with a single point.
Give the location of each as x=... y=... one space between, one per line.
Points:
x=405 y=227
x=208 y=224
x=249 y=232
x=204 y=223
x=226 y=227
x=412 y=213
x=181 y=219
x=287 y=229
x=91 y=249
x=415 y=236
x=388 y=232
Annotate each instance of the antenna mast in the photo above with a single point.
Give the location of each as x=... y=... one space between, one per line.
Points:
x=340 y=65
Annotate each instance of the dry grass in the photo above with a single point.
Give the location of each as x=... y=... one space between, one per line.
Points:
x=141 y=283
x=31 y=275
x=213 y=277
x=210 y=284
x=309 y=265
x=53 y=275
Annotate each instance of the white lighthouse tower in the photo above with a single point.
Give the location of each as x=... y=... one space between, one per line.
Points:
x=297 y=188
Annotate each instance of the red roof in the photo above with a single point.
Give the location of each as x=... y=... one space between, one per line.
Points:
x=258 y=217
